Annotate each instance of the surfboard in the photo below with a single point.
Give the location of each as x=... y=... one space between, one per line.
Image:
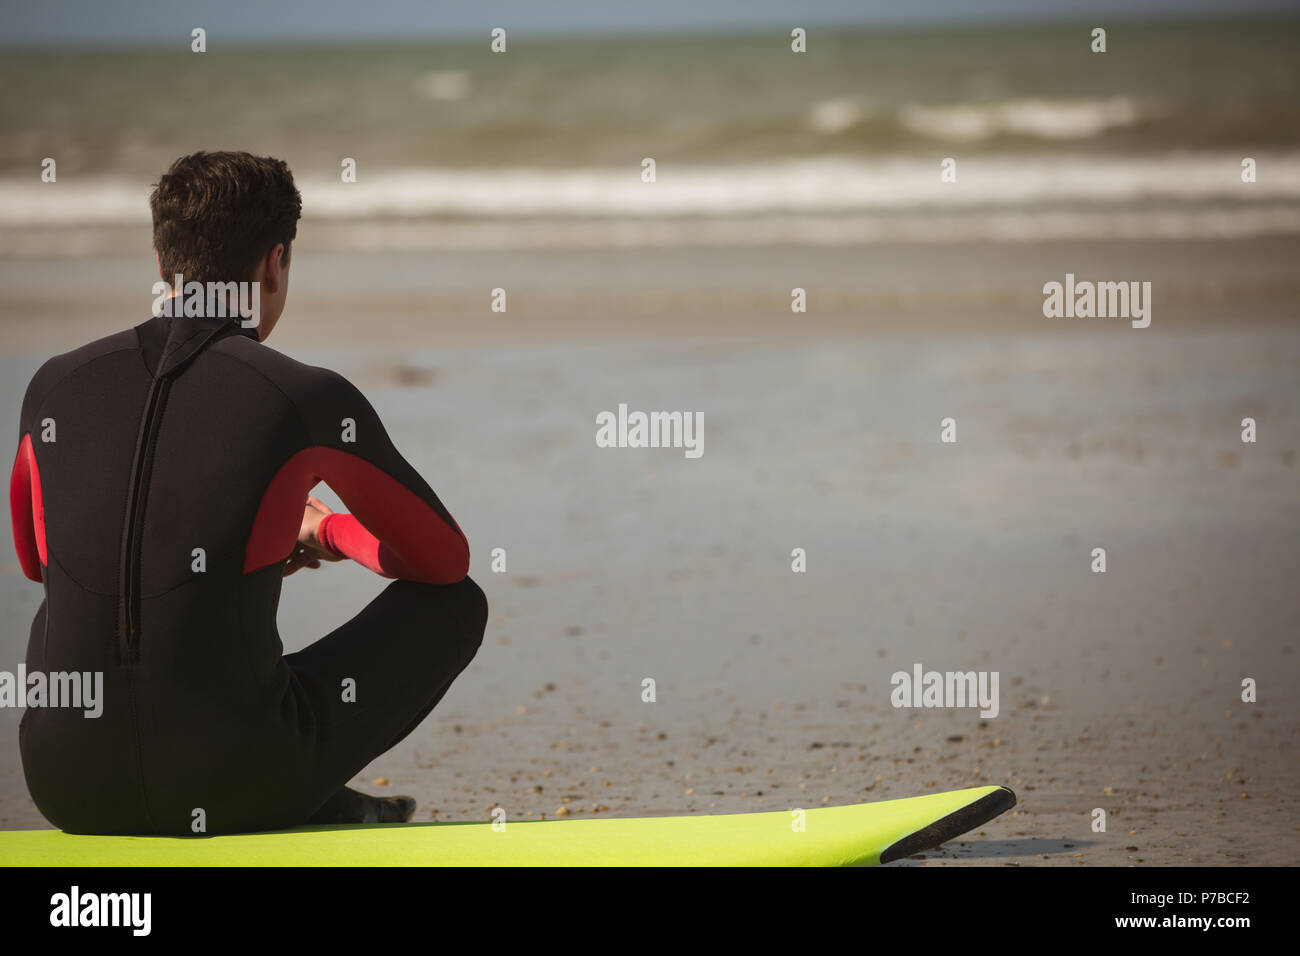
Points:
x=863 y=834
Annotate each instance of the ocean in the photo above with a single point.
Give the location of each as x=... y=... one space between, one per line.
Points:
x=542 y=147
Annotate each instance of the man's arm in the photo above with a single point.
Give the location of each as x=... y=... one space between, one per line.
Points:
x=26 y=511
x=397 y=527
x=345 y=535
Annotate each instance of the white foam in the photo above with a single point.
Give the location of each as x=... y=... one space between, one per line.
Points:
x=444 y=86
x=835 y=116
x=1040 y=119
x=814 y=186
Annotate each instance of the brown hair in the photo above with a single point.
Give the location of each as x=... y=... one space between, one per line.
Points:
x=215 y=215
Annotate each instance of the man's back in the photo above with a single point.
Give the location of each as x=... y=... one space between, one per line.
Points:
x=167 y=467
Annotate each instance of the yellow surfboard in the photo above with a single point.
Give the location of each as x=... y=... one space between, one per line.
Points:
x=859 y=835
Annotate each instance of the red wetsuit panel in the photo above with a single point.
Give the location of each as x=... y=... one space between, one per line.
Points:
x=27 y=511
x=344 y=534
x=392 y=531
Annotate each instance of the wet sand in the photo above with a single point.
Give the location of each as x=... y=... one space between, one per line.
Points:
x=1118 y=690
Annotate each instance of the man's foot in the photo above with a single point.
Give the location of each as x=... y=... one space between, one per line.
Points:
x=353 y=806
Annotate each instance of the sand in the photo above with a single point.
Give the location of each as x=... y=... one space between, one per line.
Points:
x=1119 y=691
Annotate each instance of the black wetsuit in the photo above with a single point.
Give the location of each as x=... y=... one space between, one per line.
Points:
x=158 y=490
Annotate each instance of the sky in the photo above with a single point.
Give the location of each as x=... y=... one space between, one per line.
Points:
x=154 y=22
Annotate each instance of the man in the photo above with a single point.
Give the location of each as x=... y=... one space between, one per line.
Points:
x=161 y=492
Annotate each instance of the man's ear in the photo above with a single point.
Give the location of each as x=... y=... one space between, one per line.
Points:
x=158 y=261
x=272 y=267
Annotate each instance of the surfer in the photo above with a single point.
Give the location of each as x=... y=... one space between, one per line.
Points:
x=161 y=493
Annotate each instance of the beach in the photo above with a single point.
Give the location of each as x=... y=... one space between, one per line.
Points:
x=821 y=432
x=823 y=429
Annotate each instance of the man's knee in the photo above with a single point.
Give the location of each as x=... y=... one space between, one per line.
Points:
x=473 y=614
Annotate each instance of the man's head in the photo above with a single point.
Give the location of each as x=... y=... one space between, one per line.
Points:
x=228 y=217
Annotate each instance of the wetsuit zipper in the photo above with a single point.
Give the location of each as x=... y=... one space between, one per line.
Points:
x=129 y=636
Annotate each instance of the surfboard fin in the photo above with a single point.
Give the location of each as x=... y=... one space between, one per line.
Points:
x=979 y=811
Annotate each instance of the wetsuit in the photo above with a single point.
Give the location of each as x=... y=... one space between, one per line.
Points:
x=157 y=492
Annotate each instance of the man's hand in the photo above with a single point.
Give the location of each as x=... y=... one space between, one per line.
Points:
x=309 y=552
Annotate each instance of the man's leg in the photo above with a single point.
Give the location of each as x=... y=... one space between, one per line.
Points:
x=372 y=681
